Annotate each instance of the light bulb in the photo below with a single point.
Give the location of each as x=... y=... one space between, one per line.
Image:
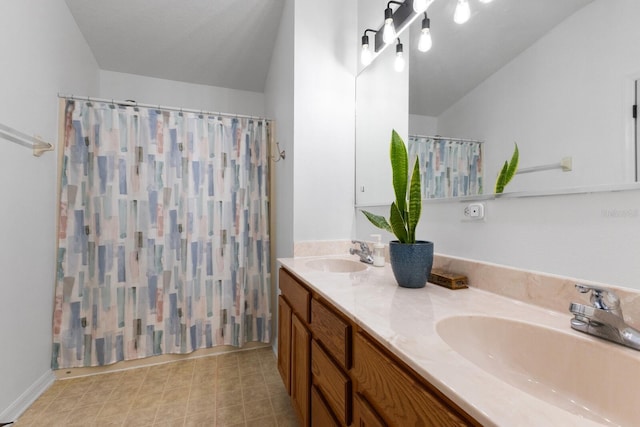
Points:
x=389 y=31
x=462 y=13
x=399 y=62
x=398 y=65
x=486 y=1
x=420 y=6
x=425 y=42
x=366 y=56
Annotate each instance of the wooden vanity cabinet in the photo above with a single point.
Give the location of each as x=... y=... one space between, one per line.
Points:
x=294 y=344
x=338 y=375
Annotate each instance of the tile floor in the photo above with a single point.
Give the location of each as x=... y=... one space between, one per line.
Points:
x=233 y=389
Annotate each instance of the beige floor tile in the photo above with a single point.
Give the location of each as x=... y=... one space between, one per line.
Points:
x=63 y=404
x=178 y=422
x=252 y=380
x=230 y=415
x=225 y=390
x=226 y=361
x=263 y=422
x=171 y=411
x=118 y=408
x=148 y=400
x=246 y=371
x=205 y=377
x=175 y=395
x=281 y=403
x=203 y=390
x=200 y=404
x=228 y=399
x=258 y=409
x=276 y=388
x=224 y=386
x=207 y=362
x=108 y=422
x=84 y=414
x=56 y=420
x=251 y=394
x=141 y=417
x=272 y=376
x=287 y=420
x=203 y=419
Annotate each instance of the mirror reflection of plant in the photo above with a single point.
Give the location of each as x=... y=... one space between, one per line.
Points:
x=508 y=171
x=404 y=216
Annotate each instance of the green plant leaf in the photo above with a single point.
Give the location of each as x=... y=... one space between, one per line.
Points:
x=500 y=182
x=378 y=220
x=508 y=171
x=513 y=165
x=398 y=224
x=400 y=171
x=415 y=202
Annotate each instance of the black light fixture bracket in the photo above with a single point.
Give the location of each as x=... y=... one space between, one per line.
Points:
x=400 y=16
x=365 y=37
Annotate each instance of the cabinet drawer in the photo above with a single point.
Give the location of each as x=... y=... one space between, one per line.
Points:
x=398 y=397
x=332 y=383
x=320 y=413
x=363 y=413
x=333 y=332
x=296 y=294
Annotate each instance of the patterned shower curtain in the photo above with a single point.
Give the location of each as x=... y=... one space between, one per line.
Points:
x=448 y=167
x=163 y=242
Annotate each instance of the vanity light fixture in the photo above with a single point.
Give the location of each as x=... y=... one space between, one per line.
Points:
x=425 y=42
x=462 y=13
x=399 y=62
x=366 y=55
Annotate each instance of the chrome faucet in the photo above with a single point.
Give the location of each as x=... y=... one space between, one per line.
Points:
x=603 y=318
x=364 y=252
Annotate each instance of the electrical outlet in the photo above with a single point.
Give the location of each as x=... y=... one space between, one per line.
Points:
x=473 y=212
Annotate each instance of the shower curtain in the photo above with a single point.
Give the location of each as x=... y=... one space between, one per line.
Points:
x=163 y=240
x=448 y=167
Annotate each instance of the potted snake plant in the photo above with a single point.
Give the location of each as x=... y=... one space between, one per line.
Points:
x=411 y=259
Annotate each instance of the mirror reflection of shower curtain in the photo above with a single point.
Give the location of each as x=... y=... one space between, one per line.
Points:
x=163 y=243
x=448 y=167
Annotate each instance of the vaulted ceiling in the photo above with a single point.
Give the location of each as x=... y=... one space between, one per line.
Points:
x=229 y=43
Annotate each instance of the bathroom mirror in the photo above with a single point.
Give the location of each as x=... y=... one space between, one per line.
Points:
x=557 y=78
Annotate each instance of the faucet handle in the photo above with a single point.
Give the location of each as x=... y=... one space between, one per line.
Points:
x=363 y=245
x=602 y=298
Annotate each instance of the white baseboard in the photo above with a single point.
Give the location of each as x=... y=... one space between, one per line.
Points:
x=27 y=398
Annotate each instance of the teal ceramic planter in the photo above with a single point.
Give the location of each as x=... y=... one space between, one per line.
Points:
x=411 y=262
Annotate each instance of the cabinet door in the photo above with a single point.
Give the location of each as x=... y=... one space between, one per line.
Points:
x=364 y=415
x=284 y=342
x=300 y=369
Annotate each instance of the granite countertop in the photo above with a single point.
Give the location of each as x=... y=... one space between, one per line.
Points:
x=405 y=322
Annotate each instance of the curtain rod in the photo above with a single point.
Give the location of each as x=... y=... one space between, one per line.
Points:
x=130 y=103
x=447 y=138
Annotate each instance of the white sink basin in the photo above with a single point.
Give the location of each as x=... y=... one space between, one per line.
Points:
x=582 y=375
x=336 y=265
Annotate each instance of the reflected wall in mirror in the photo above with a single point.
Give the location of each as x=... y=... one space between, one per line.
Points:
x=557 y=78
